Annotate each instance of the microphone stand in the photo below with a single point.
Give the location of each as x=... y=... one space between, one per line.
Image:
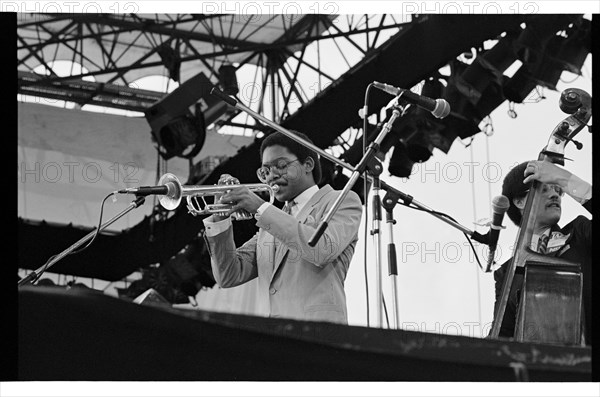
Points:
x=375 y=232
x=389 y=202
x=369 y=161
x=33 y=276
x=372 y=165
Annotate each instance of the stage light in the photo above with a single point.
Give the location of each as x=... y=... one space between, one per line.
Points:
x=182 y=136
x=518 y=87
x=529 y=46
x=400 y=164
x=228 y=79
x=481 y=82
x=541 y=45
x=548 y=74
x=491 y=98
x=431 y=128
x=464 y=117
x=571 y=51
x=171 y=59
x=177 y=131
x=502 y=54
x=475 y=79
x=419 y=149
x=415 y=144
x=540 y=29
x=573 y=56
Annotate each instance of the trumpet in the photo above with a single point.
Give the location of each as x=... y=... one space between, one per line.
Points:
x=172 y=199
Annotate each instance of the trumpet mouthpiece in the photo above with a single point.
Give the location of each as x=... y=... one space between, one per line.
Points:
x=275 y=187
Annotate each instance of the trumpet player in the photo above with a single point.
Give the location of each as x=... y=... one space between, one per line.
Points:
x=295 y=280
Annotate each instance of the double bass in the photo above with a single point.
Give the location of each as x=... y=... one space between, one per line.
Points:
x=550 y=304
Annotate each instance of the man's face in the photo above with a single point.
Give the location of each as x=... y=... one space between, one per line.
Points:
x=549 y=210
x=286 y=170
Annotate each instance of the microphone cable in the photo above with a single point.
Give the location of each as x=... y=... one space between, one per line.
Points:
x=45 y=266
x=454 y=220
x=366 y=196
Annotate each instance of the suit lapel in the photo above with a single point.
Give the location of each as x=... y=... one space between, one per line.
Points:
x=273 y=249
x=314 y=200
x=281 y=249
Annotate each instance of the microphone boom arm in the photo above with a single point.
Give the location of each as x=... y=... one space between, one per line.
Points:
x=401 y=196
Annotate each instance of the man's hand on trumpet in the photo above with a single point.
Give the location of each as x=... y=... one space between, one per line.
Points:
x=245 y=202
x=243 y=199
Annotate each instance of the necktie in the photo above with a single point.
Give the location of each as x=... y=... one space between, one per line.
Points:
x=287 y=208
x=543 y=243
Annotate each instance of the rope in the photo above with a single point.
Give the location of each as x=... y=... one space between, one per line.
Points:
x=475 y=219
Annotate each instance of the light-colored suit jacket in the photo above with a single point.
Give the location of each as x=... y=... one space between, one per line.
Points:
x=295 y=280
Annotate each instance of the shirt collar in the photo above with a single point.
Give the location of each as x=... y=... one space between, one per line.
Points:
x=303 y=197
x=546 y=232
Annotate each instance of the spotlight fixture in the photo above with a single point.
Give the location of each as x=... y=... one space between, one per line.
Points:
x=171 y=59
x=400 y=164
x=228 y=79
x=183 y=136
x=174 y=126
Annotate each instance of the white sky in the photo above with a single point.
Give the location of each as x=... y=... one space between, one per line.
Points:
x=440 y=287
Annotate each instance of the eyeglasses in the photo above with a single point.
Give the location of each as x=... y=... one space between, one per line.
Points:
x=559 y=190
x=547 y=187
x=280 y=165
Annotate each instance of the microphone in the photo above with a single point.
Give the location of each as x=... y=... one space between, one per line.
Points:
x=440 y=108
x=500 y=205
x=167 y=189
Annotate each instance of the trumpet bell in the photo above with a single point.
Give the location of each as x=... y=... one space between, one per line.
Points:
x=171 y=201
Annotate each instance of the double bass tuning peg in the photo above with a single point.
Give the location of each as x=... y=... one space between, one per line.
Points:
x=577 y=144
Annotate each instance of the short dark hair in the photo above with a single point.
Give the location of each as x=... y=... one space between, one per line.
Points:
x=514 y=188
x=301 y=151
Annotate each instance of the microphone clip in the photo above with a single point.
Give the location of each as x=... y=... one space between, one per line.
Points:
x=487 y=222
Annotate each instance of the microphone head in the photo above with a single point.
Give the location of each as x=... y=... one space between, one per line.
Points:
x=500 y=204
x=442 y=108
x=172 y=189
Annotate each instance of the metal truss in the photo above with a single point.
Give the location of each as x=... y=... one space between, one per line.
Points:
x=285 y=60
